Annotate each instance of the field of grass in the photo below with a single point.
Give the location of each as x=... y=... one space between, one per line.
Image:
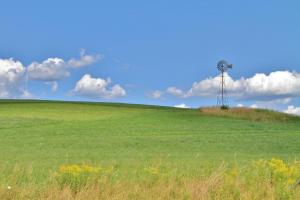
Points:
x=41 y=136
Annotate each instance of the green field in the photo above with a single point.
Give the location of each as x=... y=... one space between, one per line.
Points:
x=45 y=135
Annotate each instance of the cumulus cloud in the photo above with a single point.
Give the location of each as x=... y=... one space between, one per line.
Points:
x=26 y=95
x=279 y=85
x=54 y=85
x=281 y=101
x=293 y=110
x=253 y=106
x=12 y=78
x=182 y=105
x=84 y=60
x=55 y=69
x=155 y=94
x=175 y=91
x=171 y=91
x=50 y=70
x=91 y=87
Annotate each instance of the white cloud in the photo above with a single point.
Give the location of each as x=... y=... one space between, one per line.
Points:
x=155 y=94
x=205 y=88
x=55 y=69
x=253 y=106
x=293 y=110
x=281 y=101
x=279 y=85
x=239 y=105
x=276 y=85
x=91 y=87
x=175 y=91
x=54 y=85
x=12 y=78
x=52 y=69
x=181 y=106
x=27 y=95
x=85 y=59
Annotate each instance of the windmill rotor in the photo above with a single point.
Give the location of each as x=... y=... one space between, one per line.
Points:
x=223 y=66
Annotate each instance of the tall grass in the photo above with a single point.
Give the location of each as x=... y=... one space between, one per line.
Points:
x=249 y=114
x=263 y=179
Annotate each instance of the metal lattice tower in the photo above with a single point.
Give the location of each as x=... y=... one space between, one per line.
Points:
x=223 y=67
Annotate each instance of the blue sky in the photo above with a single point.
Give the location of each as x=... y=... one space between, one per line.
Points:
x=148 y=46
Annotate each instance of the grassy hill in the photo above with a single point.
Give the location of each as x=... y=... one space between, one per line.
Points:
x=48 y=134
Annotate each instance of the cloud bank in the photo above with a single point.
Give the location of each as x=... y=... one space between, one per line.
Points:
x=262 y=87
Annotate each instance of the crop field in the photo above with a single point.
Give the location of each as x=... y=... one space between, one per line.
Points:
x=71 y=150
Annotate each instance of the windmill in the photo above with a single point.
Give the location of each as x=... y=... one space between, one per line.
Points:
x=223 y=67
